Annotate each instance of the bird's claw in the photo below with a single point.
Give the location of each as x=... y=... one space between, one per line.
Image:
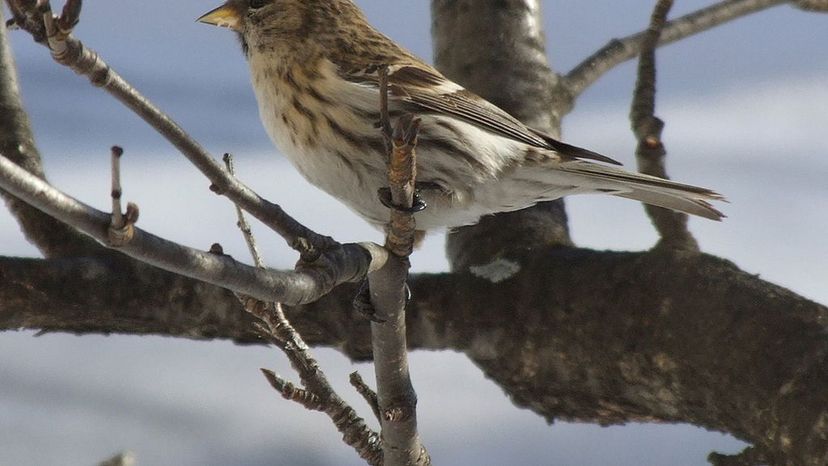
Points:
x=417 y=205
x=362 y=303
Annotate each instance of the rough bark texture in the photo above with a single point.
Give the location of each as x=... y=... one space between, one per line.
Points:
x=684 y=338
x=53 y=238
x=497 y=50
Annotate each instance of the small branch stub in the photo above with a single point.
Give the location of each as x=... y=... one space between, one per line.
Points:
x=121 y=227
x=369 y=395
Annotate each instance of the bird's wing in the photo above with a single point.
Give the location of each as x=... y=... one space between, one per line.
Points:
x=428 y=90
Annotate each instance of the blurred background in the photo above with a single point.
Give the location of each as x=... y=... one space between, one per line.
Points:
x=745 y=105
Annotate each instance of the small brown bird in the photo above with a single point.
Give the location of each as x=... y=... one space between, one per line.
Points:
x=315 y=68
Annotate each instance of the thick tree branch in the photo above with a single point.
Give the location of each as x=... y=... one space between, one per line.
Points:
x=497 y=50
x=679 y=341
x=17 y=142
x=618 y=51
x=671 y=225
x=344 y=263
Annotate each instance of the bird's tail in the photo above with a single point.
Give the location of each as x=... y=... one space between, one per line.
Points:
x=646 y=188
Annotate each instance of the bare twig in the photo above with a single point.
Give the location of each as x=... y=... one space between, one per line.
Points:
x=70 y=52
x=241 y=221
x=671 y=225
x=318 y=394
x=620 y=50
x=367 y=393
x=349 y=262
x=293 y=393
x=121 y=226
x=396 y=397
x=402 y=172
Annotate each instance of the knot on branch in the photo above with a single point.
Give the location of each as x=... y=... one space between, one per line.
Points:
x=121 y=232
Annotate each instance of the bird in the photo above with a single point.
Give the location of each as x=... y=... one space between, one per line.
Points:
x=316 y=69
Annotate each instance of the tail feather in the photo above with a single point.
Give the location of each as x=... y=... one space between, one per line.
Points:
x=648 y=189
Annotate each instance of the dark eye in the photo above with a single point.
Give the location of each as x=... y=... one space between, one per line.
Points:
x=256 y=4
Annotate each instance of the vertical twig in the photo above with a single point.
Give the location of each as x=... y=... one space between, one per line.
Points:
x=121 y=225
x=671 y=225
x=395 y=394
x=242 y=223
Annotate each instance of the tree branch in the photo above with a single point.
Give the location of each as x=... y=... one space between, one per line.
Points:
x=53 y=238
x=345 y=263
x=618 y=51
x=497 y=50
x=671 y=225
x=397 y=399
x=679 y=341
x=319 y=395
x=70 y=52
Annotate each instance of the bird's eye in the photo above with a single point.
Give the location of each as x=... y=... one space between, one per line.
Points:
x=256 y=4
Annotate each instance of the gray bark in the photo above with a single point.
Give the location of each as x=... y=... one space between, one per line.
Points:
x=497 y=50
x=686 y=338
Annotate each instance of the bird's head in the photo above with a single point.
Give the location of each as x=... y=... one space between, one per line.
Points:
x=270 y=24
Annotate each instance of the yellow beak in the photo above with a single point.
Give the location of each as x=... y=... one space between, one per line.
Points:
x=228 y=15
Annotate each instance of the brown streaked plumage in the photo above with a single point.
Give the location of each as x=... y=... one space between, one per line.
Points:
x=315 y=69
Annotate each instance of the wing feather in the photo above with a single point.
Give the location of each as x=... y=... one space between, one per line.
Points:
x=428 y=90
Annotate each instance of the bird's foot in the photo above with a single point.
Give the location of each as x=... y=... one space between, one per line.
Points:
x=417 y=205
x=362 y=303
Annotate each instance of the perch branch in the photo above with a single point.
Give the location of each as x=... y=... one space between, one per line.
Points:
x=396 y=397
x=671 y=226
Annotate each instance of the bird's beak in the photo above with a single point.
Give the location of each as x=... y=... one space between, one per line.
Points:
x=228 y=15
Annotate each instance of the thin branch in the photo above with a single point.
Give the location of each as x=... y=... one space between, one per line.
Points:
x=367 y=393
x=618 y=51
x=70 y=52
x=402 y=174
x=318 y=395
x=397 y=400
x=293 y=393
x=349 y=262
x=242 y=223
x=671 y=225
